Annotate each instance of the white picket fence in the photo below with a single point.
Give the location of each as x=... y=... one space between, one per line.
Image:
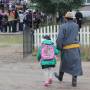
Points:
x=53 y=31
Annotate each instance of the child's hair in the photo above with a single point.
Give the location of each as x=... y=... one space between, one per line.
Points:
x=47 y=37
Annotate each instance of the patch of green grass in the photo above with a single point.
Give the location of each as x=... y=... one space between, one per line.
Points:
x=4 y=45
x=85 y=53
x=10 y=39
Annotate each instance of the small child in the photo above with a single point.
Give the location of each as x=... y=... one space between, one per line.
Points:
x=46 y=56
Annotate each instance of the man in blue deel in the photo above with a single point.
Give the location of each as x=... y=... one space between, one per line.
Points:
x=68 y=43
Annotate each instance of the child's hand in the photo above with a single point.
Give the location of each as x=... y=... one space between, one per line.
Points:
x=57 y=57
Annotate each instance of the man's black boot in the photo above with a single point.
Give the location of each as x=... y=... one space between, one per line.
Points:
x=74 y=81
x=60 y=78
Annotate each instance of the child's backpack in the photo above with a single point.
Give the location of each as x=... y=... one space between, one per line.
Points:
x=47 y=52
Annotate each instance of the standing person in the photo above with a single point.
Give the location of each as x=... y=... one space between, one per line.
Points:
x=10 y=20
x=5 y=22
x=28 y=18
x=68 y=43
x=1 y=28
x=38 y=18
x=79 y=18
x=46 y=56
x=21 y=18
x=14 y=23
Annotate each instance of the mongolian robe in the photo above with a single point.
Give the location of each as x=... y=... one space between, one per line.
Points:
x=67 y=41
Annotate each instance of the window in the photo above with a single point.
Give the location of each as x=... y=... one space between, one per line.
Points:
x=87 y=2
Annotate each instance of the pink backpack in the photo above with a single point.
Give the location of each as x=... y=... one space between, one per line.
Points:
x=47 y=52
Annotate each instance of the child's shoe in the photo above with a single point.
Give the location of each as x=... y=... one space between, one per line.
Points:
x=50 y=81
x=46 y=84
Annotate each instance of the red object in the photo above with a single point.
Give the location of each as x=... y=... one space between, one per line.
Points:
x=50 y=81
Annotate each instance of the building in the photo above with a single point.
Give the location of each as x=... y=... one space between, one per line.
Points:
x=87 y=2
x=86 y=8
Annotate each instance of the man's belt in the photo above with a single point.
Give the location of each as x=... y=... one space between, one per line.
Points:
x=70 y=46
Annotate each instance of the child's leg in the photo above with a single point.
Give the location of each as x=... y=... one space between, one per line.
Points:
x=46 y=75
x=51 y=71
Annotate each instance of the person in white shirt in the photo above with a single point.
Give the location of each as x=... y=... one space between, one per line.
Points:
x=21 y=18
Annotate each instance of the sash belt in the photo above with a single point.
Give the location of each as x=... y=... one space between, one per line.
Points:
x=70 y=46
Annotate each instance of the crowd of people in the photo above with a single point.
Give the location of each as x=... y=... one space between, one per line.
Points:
x=14 y=20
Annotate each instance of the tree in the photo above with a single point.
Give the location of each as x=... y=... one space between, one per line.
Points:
x=67 y=5
x=60 y=6
x=52 y=6
x=46 y=6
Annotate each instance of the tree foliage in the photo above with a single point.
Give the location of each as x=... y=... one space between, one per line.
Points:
x=46 y=6
x=52 y=6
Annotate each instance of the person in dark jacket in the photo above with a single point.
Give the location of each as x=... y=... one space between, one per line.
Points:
x=28 y=19
x=5 y=23
x=79 y=18
x=1 y=17
x=68 y=43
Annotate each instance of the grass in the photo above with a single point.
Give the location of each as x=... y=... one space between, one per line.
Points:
x=6 y=40
x=85 y=53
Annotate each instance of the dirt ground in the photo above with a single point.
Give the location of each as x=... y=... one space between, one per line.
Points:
x=11 y=53
x=17 y=73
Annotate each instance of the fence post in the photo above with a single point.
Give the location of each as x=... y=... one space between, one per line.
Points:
x=88 y=38
x=27 y=41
